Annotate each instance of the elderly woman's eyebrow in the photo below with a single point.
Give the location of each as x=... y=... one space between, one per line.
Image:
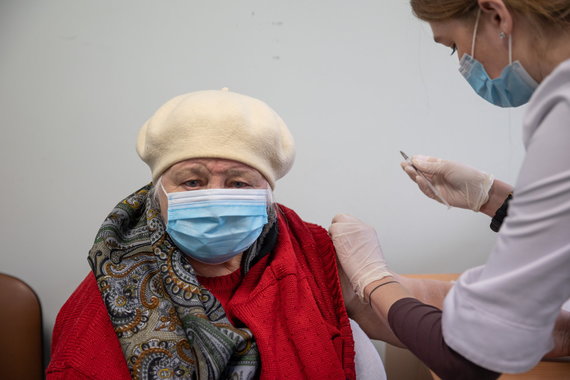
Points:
x=181 y=174
x=247 y=173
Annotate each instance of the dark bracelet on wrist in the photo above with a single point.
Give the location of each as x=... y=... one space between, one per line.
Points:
x=501 y=214
x=378 y=286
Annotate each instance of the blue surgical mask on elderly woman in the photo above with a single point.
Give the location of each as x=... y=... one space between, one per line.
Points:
x=214 y=225
x=513 y=88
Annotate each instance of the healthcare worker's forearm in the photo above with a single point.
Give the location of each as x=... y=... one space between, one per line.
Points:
x=418 y=327
x=382 y=294
x=376 y=326
x=431 y=292
x=373 y=316
x=497 y=195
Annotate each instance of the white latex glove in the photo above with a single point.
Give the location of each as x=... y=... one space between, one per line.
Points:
x=460 y=185
x=358 y=251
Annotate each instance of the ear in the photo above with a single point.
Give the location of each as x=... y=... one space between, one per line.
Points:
x=500 y=15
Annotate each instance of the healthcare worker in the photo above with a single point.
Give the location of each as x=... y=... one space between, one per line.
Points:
x=504 y=316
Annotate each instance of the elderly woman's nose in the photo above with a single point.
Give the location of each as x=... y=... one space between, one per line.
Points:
x=216 y=183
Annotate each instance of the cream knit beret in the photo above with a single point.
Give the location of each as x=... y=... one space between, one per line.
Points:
x=217 y=124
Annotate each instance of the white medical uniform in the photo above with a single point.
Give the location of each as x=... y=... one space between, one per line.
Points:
x=501 y=316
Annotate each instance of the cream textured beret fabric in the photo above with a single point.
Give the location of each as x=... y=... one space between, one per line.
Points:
x=217 y=124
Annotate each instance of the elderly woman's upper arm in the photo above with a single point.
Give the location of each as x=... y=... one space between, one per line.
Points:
x=374 y=326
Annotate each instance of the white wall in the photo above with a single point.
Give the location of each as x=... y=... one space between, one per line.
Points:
x=356 y=81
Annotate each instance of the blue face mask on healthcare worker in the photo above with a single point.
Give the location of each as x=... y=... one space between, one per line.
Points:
x=513 y=88
x=214 y=225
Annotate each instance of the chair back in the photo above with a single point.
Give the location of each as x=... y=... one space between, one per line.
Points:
x=21 y=340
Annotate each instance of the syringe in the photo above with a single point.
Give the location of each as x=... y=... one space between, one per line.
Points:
x=431 y=187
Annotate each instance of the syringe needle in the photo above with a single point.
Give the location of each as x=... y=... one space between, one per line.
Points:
x=431 y=187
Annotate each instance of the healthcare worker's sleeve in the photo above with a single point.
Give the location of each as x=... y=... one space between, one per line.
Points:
x=501 y=316
x=418 y=326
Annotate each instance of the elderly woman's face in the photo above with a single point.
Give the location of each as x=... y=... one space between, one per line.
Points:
x=208 y=173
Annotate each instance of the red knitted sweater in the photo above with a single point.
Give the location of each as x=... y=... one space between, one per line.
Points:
x=291 y=300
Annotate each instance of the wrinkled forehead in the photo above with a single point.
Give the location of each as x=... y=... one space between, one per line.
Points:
x=213 y=166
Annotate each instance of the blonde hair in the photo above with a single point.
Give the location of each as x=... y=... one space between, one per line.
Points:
x=546 y=14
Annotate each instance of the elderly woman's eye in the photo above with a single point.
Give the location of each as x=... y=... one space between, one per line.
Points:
x=239 y=185
x=192 y=183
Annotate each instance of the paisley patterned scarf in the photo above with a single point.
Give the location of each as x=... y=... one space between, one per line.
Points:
x=168 y=325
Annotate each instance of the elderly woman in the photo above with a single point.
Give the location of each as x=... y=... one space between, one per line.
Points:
x=200 y=274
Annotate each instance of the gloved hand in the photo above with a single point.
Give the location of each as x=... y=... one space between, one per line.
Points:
x=460 y=185
x=358 y=251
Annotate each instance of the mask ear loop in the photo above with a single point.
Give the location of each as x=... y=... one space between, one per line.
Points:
x=162 y=187
x=475 y=33
x=510 y=49
x=165 y=194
